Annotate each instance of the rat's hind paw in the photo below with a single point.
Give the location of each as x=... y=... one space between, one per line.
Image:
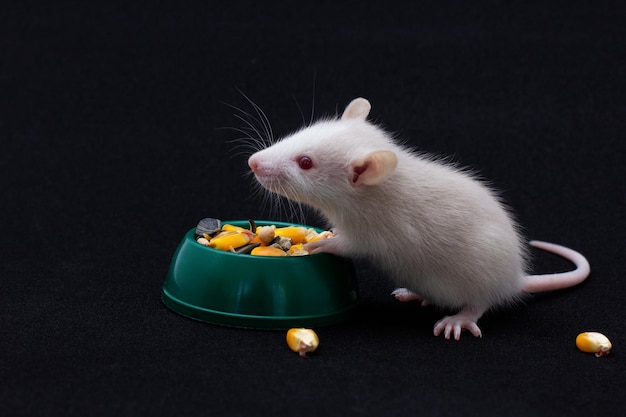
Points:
x=404 y=295
x=453 y=325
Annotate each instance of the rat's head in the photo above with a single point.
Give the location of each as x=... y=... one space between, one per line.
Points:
x=329 y=160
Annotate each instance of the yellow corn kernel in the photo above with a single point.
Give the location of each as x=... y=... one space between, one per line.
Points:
x=267 y=251
x=311 y=234
x=219 y=234
x=311 y=237
x=231 y=228
x=232 y=240
x=295 y=233
x=297 y=250
x=594 y=342
x=302 y=340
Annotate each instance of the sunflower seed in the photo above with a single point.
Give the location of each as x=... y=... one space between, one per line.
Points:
x=208 y=226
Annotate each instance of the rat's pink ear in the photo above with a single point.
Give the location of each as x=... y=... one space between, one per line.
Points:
x=374 y=168
x=358 y=108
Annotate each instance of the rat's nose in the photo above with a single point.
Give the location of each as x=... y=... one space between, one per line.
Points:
x=253 y=163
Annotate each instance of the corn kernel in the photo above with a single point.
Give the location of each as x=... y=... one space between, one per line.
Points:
x=311 y=234
x=297 y=250
x=594 y=342
x=232 y=228
x=267 y=251
x=302 y=341
x=233 y=240
x=311 y=237
x=295 y=233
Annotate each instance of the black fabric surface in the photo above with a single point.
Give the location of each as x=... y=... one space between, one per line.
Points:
x=114 y=142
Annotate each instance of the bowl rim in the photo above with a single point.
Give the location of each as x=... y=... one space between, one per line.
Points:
x=192 y=233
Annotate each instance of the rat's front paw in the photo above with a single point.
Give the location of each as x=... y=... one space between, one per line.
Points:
x=332 y=245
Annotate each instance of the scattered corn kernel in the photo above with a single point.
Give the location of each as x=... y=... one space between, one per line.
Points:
x=302 y=341
x=232 y=240
x=297 y=234
x=594 y=342
x=267 y=251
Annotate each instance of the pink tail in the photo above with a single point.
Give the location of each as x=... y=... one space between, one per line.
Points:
x=550 y=282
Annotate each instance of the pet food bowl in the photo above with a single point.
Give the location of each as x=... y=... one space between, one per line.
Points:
x=259 y=292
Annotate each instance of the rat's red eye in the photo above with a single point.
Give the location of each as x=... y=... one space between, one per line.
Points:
x=304 y=162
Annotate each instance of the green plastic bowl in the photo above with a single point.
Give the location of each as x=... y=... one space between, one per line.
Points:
x=258 y=292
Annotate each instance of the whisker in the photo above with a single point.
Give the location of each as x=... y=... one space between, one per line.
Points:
x=257 y=144
x=263 y=119
x=247 y=118
x=241 y=151
x=299 y=109
x=256 y=134
x=313 y=98
x=251 y=127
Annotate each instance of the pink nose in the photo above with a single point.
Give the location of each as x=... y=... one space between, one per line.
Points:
x=253 y=164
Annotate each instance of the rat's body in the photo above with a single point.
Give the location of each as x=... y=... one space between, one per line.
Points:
x=438 y=232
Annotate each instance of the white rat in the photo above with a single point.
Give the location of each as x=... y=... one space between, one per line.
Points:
x=439 y=233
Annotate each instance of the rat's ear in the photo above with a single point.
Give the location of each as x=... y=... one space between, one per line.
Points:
x=374 y=168
x=358 y=108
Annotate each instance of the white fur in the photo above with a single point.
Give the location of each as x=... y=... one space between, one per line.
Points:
x=433 y=228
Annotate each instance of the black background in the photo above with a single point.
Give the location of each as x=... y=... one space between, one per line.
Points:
x=113 y=145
